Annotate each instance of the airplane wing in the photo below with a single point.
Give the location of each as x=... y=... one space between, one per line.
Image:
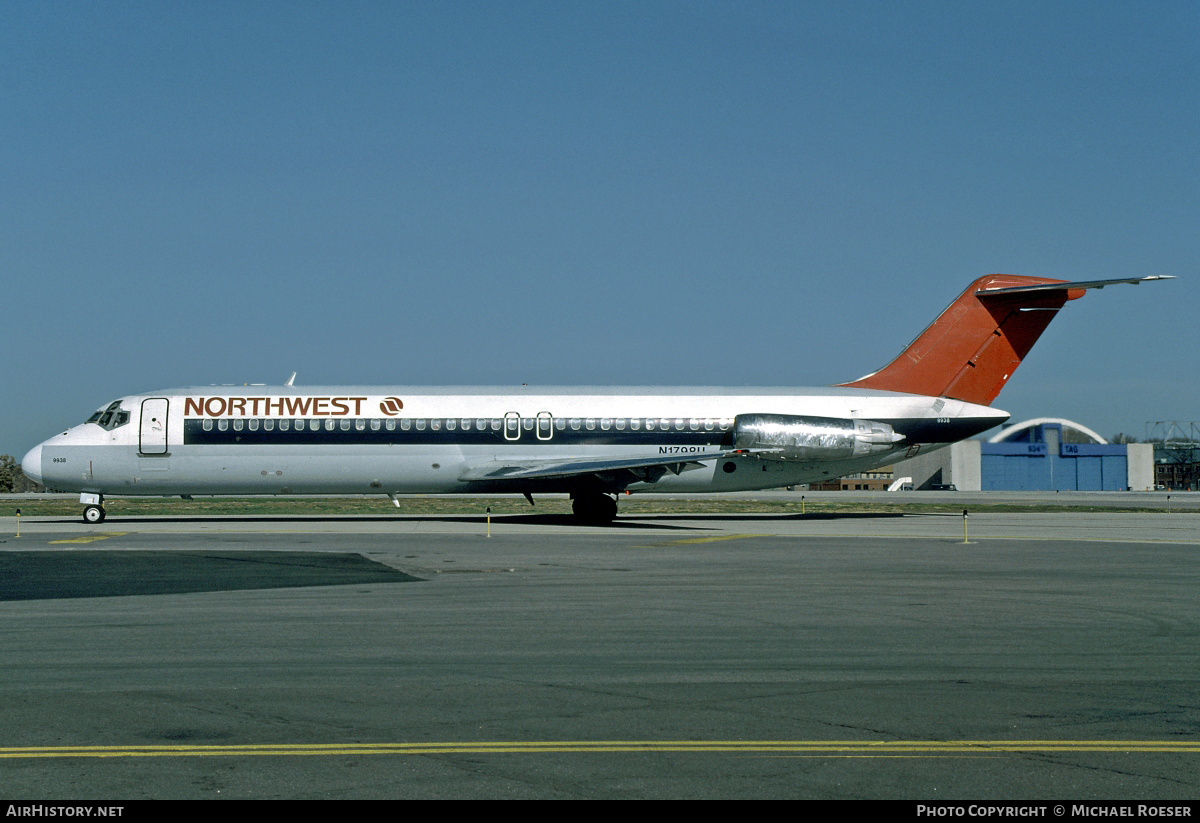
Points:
x=646 y=468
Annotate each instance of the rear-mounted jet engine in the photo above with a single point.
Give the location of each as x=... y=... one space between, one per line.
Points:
x=790 y=437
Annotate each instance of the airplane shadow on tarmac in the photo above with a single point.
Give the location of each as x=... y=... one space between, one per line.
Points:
x=625 y=521
x=55 y=575
x=481 y=520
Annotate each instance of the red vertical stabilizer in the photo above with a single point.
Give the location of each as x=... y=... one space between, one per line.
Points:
x=976 y=344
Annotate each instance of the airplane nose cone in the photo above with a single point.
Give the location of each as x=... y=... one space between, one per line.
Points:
x=31 y=464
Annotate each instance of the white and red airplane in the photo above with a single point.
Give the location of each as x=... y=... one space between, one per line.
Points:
x=590 y=442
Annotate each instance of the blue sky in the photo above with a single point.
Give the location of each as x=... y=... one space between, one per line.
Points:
x=588 y=193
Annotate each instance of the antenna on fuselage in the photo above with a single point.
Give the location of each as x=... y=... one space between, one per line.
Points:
x=291 y=379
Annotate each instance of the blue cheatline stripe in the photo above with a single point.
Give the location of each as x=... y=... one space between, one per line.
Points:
x=194 y=434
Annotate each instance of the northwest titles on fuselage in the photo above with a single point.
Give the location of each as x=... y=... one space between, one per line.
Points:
x=277 y=406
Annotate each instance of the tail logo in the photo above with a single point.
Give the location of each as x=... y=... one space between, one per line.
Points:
x=391 y=406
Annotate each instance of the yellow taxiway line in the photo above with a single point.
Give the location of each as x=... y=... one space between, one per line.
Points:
x=91 y=538
x=820 y=748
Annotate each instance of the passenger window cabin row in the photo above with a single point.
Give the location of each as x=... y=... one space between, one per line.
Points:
x=466 y=424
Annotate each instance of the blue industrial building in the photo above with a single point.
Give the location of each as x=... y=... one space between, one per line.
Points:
x=1038 y=458
x=1035 y=456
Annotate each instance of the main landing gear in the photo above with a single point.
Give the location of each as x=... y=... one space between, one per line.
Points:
x=93 y=509
x=593 y=507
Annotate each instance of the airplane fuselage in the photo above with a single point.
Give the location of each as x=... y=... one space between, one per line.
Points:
x=397 y=440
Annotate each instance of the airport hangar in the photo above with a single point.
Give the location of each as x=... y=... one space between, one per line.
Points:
x=1043 y=454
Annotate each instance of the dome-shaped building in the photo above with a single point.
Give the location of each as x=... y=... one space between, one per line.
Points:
x=1033 y=431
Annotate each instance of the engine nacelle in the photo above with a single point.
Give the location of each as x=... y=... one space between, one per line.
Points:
x=791 y=437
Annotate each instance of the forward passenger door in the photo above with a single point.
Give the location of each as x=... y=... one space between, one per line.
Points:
x=152 y=438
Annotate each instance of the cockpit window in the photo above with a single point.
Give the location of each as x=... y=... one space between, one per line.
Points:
x=110 y=417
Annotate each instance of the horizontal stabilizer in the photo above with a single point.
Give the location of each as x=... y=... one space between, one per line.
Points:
x=1080 y=285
